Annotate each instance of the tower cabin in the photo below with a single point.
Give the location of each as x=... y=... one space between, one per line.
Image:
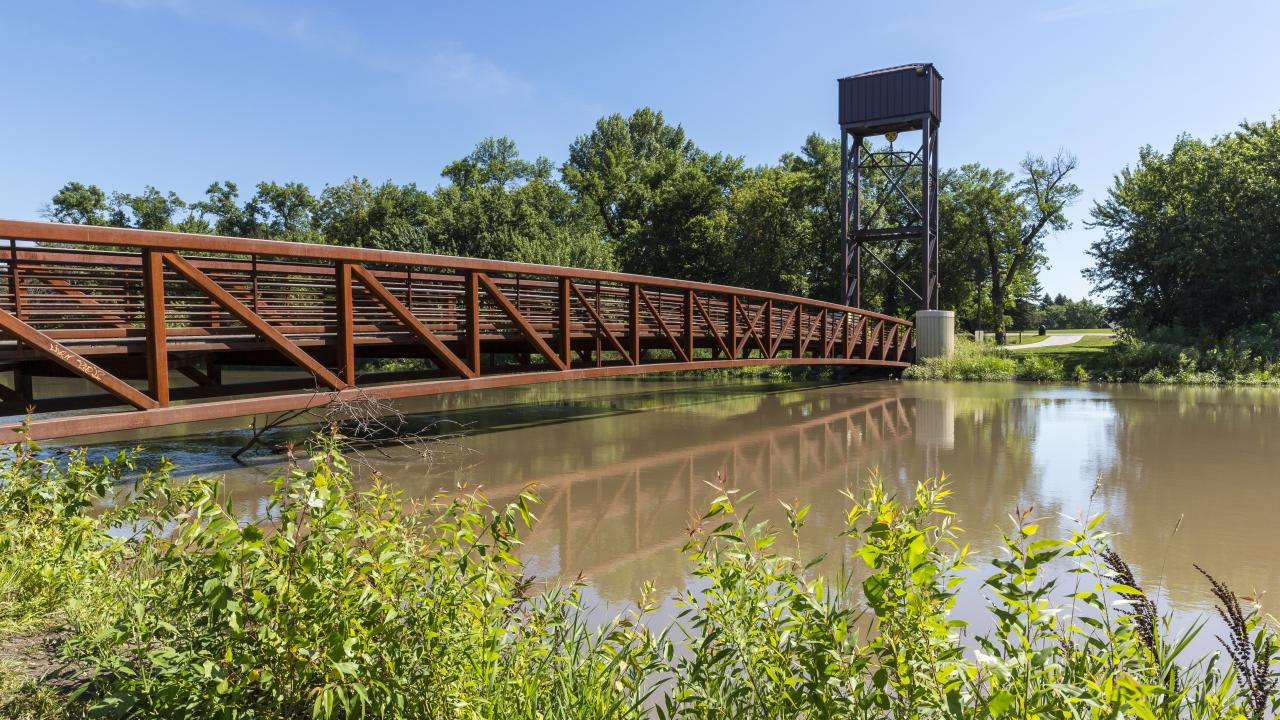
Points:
x=891 y=99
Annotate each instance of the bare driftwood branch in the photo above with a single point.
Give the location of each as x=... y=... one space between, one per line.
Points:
x=366 y=422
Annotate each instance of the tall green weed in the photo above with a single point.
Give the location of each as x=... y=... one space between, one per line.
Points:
x=358 y=603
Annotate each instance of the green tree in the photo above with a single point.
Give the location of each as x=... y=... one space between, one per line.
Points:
x=284 y=212
x=1005 y=220
x=653 y=190
x=817 y=170
x=495 y=162
x=500 y=206
x=78 y=203
x=222 y=203
x=1063 y=312
x=148 y=210
x=357 y=213
x=768 y=229
x=1189 y=237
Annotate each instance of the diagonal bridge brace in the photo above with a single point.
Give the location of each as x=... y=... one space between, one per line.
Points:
x=600 y=323
x=71 y=360
x=751 y=331
x=711 y=326
x=662 y=325
x=526 y=328
x=411 y=321
x=241 y=312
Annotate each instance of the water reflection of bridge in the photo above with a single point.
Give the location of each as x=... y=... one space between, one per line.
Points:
x=621 y=512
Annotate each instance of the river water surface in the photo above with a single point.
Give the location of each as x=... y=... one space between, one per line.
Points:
x=1185 y=475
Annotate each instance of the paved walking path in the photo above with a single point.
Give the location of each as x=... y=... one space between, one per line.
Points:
x=1053 y=341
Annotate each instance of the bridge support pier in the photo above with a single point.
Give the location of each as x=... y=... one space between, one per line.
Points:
x=935 y=333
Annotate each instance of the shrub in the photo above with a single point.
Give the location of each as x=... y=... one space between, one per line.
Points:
x=974 y=362
x=1165 y=359
x=54 y=543
x=1040 y=368
x=352 y=604
x=969 y=362
x=771 y=639
x=358 y=604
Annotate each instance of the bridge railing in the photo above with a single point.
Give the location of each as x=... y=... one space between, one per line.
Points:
x=114 y=306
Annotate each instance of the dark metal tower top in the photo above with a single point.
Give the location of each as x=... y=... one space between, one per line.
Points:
x=896 y=96
x=887 y=103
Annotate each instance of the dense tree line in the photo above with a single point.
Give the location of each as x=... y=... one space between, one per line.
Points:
x=637 y=194
x=1190 y=238
x=1061 y=312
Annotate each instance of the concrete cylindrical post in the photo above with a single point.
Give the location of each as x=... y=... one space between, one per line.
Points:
x=935 y=333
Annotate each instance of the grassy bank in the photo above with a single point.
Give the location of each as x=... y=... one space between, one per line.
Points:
x=1102 y=358
x=974 y=362
x=357 y=604
x=1030 y=337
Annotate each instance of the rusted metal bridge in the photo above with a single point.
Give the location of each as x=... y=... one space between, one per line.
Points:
x=157 y=324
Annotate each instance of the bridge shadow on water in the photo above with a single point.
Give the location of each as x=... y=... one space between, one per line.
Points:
x=210 y=452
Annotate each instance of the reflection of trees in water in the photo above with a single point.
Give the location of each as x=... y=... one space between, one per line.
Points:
x=572 y=425
x=620 y=486
x=620 y=482
x=1211 y=454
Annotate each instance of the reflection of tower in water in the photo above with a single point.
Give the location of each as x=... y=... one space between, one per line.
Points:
x=935 y=430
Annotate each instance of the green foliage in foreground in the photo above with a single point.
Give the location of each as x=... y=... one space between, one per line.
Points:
x=358 y=604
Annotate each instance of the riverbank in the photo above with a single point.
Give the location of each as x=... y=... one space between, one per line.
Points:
x=356 y=603
x=1100 y=358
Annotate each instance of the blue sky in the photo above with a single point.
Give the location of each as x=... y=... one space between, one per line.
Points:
x=177 y=93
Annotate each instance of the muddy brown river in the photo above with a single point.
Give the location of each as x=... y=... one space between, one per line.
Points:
x=1184 y=475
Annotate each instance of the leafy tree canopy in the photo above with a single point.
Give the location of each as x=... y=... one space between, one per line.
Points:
x=1189 y=237
x=653 y=191
x=637 y=194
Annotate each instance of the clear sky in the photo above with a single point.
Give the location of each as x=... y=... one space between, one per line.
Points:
x=178 y=93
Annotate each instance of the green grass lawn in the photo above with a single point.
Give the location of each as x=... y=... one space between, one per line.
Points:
x=1087 y=352
x=1030 y=337
x=1088 y=343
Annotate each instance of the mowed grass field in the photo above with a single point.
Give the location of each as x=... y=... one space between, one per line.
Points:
x=1087 y=352
x=1030 y=337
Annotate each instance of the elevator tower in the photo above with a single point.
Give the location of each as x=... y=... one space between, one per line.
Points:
x=886 y=103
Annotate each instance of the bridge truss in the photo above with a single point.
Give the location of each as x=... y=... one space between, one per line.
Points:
x=158 y=323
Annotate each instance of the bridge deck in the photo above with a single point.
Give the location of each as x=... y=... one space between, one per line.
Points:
x=152 y=319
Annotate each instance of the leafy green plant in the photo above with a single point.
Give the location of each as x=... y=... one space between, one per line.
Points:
x=346 y=603
x=55 y=528
x=969 y=362
x=1041 y=368
x=912 y=557
x=349 y=604
x=764 y=638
